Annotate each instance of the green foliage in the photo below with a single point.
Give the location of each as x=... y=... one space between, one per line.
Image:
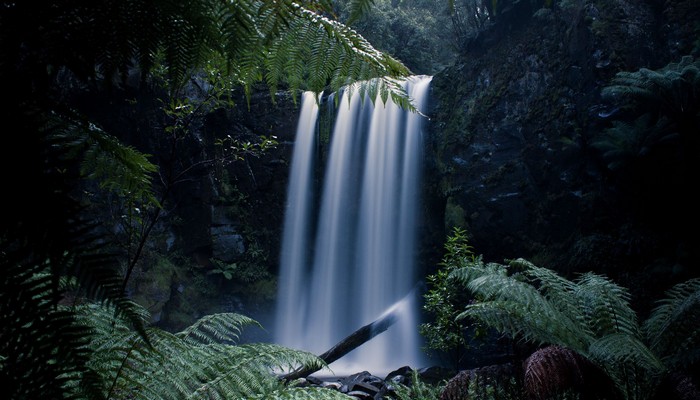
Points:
x=250 y=41
x=201 y=362
x=417 y=32
x=671 y=90
x=624 y=143
x=445 y=300
x=664 y=105
x=671 y=329
x=117 y=167
x=417 y=389
x=491 y=382
x=51 y=50
x=44 y=237
x=469 y=17
x=227 y=270
x=590 y=315
x=237 y=150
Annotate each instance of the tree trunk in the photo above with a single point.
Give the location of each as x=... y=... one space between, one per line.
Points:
x=351 y=342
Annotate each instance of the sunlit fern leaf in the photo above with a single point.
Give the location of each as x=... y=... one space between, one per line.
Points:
x=217 y=328
x=243 y=371
x=673 y=328
x=323 y=60
x=355 y=46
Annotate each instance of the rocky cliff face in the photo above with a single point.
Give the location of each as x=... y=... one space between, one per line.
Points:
x=509 y=157
x=215 y=245
x=512 y=131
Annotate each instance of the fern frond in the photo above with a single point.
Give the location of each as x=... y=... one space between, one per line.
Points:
x=358 y=8
x=514 y=306
x=217 y=328
x=605 y=307
x=632 y=366
x=672 y=329
x=190 y=364
x=312 y=393
x=118 y=167
x=621 y=348
x=671 y=90
x=52 y=241
x=41 y=357
x=553 y=286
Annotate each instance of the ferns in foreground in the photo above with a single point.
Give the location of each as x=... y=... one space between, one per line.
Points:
x=201 y=362
x=591 y=316
x=417 y=389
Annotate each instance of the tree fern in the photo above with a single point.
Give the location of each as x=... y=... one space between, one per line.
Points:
x=358 y=8
x=672 y=327
x=315 y=53
x=605 y=307
x=664 y=104
x=624 y=141
x=671 y=90
x=513 y=305
x=590 y=315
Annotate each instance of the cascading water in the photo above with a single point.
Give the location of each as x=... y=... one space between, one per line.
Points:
x=358 y=261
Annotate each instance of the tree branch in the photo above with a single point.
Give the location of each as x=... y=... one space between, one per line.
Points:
x=350 y=343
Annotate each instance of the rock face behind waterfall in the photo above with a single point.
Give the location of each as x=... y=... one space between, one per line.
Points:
x=512 y=127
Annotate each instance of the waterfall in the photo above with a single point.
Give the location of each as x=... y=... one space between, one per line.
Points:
x=351 y=258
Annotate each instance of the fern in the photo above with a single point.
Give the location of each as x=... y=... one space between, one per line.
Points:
x=671 y=329
x=671 y=91
x=624 y=142
x=417 y=389
x=358 y=8
x=590 y=315
x=216 y=328
x=514 y=306
x=38 y=246
x=116 y=167
x=664 y=105
x=201 y=362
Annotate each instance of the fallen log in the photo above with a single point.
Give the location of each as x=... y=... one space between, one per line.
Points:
x=350 y=343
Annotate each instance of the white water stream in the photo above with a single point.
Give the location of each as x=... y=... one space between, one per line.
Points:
x=349 y=259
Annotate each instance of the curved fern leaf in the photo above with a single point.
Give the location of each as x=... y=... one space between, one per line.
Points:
x=217 y=328
x=312 y=393
x=672 y=329
x=605 y=307
x=358 y=8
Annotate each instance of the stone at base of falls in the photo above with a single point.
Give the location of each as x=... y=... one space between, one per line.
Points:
x=364 y=385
